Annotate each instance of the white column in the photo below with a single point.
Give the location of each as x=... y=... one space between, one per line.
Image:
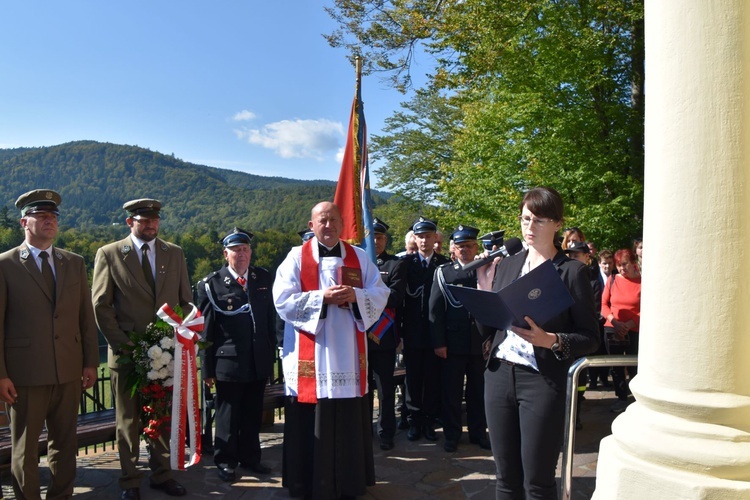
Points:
x=687 y=436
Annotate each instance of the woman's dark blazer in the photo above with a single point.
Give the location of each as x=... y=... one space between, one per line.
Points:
x=578 y=325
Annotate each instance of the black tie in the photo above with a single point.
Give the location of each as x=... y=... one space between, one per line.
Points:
x=49 y=277
x=146 y=265
x=425 y=264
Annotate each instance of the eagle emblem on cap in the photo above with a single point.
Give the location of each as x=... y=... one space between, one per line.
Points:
x=535 y=294
x=460 y=228
x=421 y=219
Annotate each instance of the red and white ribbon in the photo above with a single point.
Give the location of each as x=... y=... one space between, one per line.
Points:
x=185 y=405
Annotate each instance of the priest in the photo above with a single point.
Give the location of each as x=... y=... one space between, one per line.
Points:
x=331 y=293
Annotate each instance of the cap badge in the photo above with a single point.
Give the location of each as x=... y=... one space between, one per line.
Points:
x=460 y=228
x=48 y=195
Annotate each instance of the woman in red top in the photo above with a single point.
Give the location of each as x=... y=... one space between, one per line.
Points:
x=621 y=308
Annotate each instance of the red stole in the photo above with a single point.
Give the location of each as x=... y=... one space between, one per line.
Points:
x=310 y=280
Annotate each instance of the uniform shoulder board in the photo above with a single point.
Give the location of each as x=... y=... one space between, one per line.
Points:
x=446 y=264
x=210 y=276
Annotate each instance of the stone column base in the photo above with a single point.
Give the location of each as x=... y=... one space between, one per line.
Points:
x=622 y=476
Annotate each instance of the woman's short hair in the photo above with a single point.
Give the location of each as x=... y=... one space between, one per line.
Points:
x=623 y=255
x=543 y=202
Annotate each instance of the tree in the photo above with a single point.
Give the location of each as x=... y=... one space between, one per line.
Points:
x=547 y=93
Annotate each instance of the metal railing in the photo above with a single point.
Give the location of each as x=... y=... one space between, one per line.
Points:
x=571 y=407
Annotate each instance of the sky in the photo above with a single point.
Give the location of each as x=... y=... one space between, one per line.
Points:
x=245 y=85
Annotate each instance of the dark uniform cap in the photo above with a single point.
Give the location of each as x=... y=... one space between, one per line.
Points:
x=306 y=234
x=578 y=246
x=464 y=233
x=144 y=207
x=423 y=225
x=39 y=200
x=492 y=239
x=378 y=226
x=237 y=237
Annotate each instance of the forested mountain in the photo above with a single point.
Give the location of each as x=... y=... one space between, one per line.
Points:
x=95 y=179
x=201 y=203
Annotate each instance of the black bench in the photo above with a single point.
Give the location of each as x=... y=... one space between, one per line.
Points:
x=93 y=428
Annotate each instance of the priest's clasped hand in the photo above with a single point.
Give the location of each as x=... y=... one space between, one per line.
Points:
x=339 y=295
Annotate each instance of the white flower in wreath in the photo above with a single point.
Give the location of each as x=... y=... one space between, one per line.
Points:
x=157 y=364
x=169 y=382
x=167 y=343
x=166 y=358
x=153 y=375
x=155 y=352
x=163 y=372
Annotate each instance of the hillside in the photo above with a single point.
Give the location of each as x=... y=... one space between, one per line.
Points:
x=95 y=179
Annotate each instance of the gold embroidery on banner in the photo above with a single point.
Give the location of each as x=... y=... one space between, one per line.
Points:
x=362 y=362
x=306 y=368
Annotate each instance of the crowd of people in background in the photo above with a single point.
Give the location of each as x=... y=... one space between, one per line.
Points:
x=341 y=322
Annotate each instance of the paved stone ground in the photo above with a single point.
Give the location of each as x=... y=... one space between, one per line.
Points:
x=412 y=470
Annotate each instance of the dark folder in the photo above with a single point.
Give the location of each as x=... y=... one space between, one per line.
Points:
x=540 y=294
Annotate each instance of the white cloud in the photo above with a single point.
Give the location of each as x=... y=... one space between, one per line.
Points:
x=243 y=116
x=297 y=138
x=340 y=153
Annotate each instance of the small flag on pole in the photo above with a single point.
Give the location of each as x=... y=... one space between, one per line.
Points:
x=353 y=189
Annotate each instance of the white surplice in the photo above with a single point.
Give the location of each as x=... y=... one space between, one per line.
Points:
x=336 y=356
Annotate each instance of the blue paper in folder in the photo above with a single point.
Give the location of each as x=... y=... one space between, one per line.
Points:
x=540 y=294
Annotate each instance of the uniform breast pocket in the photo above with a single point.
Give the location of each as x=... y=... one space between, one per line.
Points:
x=226 y=351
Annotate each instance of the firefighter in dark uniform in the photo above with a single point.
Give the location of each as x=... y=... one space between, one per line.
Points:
x=459 y=346
x=240 y=324
x=421 y=363
x=383 y=337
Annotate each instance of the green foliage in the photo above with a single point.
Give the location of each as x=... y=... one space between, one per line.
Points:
x=523 y=93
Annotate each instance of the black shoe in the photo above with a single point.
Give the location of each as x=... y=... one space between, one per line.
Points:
x=386 y=443
x=450 y=446
x=170 y=487
x=403 y=424
x=482 y=441
x=226 y=473
x=429 y=433
x=414 y=433
x=131 y=494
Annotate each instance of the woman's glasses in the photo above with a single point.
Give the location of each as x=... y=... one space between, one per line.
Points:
x=527 y=221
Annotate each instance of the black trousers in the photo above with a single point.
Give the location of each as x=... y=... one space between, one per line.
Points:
x=382 y=363
x=455 y=368
x=618 y=372
x=422 y=385
x=239 y=413
x=327 y=451
x=526 y=419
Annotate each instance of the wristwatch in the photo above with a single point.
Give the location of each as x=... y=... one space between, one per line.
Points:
x=556 y=345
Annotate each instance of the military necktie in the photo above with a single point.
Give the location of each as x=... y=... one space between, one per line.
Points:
x=242 y=281
x=146 y=265
x=49 y=277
